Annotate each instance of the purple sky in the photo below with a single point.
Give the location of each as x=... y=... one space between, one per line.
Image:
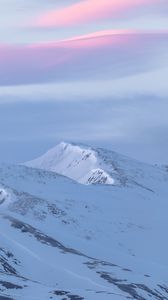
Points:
x=68 y=53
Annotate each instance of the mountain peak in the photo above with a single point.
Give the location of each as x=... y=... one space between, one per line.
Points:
x=77 y=161
x=88 y=165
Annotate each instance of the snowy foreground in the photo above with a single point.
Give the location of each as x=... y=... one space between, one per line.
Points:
x=60 y=239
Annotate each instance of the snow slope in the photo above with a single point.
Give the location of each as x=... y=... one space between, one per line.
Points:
x=63 y=240
x=78 y=162
x=93 y=165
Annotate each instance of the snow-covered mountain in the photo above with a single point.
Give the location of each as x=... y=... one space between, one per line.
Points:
x=78 y=162
x=63 y=240
x=93 y=165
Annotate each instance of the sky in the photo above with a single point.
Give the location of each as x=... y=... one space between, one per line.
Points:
x=88 y=71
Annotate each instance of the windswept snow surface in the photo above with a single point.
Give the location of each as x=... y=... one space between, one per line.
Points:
x=78 y=162
x=93 y=165
x=63 y=240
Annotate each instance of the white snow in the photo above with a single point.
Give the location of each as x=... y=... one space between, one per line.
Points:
x=64 y=236
x=3 y=195
x=88 y=165
x=80 y=163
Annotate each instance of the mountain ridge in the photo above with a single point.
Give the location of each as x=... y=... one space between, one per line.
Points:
x=63 y=240
x=90 y=165
x=60 y=239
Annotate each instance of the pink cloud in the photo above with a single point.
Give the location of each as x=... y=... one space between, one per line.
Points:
x=106 y=54
x=88 y=11
x=92 y=40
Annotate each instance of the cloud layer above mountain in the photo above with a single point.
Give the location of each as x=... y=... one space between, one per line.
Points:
x=81 y=61
x=90 y=11
x=81 y=40
x=105 y=55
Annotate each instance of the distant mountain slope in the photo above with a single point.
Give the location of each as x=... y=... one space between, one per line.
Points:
x=97 y=165
x=68 y=241
x=75 y=161
x=62 y=240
